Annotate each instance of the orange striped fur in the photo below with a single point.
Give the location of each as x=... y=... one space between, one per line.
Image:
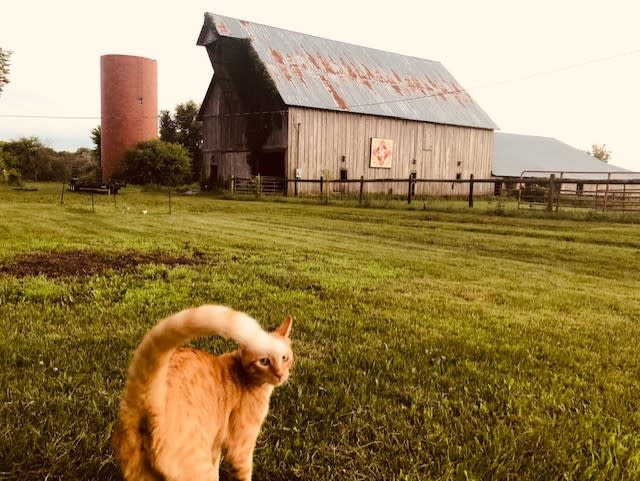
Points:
x=182 y=409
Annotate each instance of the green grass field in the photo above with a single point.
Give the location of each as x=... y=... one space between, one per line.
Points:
x=431 y=343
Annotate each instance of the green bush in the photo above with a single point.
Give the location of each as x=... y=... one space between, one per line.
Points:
x=156 y=162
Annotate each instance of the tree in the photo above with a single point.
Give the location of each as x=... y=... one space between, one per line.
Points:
x=156 y=162
x=82 y=163
x=96 y=138
x=30 y=159
x=600 y=152
x=5 y=56
x=3 y=169
x=168 y=127
x=183 y=128
x=28 y=154
x=9 y=172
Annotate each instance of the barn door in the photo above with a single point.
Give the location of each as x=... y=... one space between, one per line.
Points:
x=272 y=164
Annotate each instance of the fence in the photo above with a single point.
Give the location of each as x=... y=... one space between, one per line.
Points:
x=550 y=192
x=590 y=190
x=258 y=185
x=154 y=201
x=405 y=188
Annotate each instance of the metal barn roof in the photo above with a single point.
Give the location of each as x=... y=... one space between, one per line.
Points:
x=325 y=74
x=515 y=153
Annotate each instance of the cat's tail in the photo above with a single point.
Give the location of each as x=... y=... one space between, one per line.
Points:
x=147 y=372
x=145 y=388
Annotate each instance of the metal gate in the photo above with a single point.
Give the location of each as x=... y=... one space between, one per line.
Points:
x=605 y=191
x=260 y=184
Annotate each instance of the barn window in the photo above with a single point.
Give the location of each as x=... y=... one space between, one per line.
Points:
x=458 y=176
x=140 y=100
x=343 y=174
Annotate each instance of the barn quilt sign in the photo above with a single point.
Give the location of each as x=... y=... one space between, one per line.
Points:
x=381 y=153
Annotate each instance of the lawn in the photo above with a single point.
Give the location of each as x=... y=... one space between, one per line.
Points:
x=431 y=343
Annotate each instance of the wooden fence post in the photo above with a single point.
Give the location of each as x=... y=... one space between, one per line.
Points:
x=552 y=179
x=321 y=185
x=233 y=184
x=409 y=190
x=471 y=190
x=606 y=193
x=361 y=189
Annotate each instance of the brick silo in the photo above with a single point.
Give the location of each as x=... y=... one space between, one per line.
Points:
x=129 y=106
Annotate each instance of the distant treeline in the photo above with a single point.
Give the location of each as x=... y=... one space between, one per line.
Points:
x=28 y=159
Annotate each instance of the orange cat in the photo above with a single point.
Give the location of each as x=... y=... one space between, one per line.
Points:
x=183 y=409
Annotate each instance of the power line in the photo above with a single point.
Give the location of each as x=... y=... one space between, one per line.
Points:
x=75 y=117
x=403 y=99
x=49 y=117
x=562 y=69
x=501 y=82
x=173 y=117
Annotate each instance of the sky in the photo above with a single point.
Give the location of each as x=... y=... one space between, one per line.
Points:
x=565 y=69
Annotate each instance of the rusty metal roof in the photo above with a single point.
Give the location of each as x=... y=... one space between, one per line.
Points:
x=326 y=74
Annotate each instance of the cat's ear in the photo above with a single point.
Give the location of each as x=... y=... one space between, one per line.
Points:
x=285 y=328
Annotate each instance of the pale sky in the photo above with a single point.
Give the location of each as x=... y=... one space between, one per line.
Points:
x=566 y=69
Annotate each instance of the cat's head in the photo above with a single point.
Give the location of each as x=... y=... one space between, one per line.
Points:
x=269 y=359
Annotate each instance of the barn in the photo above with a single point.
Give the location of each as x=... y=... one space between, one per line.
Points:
x=543 y=171
x=289 y=105
x=517 y=156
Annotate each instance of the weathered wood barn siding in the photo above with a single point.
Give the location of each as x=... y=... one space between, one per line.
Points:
x=234 y=114
x=226 y=147
x=318 y=140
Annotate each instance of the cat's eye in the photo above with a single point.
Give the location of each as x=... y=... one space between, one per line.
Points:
x=285 y=358
x=265 y=361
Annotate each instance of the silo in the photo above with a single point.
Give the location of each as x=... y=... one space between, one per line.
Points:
x=129 y=106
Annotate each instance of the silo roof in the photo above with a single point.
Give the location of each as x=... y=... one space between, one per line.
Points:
x=319 y=73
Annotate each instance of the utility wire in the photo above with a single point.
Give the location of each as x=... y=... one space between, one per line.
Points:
x=173 y=117
x=70 y=117
x=500 y=82
x=50 y=117
x=562 y=69
x=404 y=99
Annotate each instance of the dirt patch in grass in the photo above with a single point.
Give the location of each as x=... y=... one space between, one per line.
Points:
x=87 y=262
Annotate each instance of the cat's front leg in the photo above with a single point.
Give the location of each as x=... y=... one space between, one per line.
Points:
x=240 y=463
x=188 y=465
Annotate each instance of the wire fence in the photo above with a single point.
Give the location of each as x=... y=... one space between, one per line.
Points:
x=154 y=201
x=554 y=193
x=557 y=190
x=610 y=191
